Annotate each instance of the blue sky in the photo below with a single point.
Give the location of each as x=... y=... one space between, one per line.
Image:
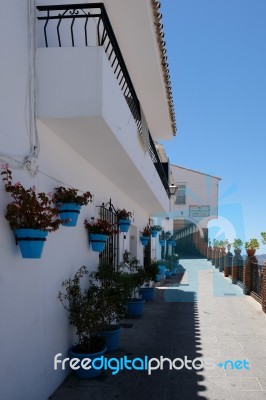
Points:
x=217 y=58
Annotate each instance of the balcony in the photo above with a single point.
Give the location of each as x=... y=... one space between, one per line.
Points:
x=86 y=96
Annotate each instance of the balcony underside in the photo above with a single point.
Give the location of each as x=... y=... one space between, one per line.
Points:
x=79 y=99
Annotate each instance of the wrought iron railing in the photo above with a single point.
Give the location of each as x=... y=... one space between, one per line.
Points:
x=89 y=25
x=256 y=280
x=240 y=273
x=110 y=254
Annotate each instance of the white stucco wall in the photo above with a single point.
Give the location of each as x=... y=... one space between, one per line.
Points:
x=34 y=325
x=201 y=190
x=79 y=98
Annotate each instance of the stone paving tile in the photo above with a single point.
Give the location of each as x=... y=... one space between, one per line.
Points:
x=227 y=327
x=125 y=393
x=235 y=383
x=262 y=382
x=203 y=394
x=77 y=393
x=248 y=395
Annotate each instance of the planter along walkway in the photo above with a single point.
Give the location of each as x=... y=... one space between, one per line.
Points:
x=203 y=316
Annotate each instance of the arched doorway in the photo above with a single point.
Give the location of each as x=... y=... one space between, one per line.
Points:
x=191 y=238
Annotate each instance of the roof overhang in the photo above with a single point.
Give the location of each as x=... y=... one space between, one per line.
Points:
x=139 y=34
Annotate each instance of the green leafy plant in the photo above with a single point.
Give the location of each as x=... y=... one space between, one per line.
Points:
x=237 y=244
x=145 y=231
x=263 y=235
x=123 y=214
x=29 y=209
x=149 y=273
x=157 y=228
x=252 y=244
x=86 y=312
x=100 y=226
x=113 y=293
x=165 y=235
x=215 y=243
x=134 y=277
x=69 y=195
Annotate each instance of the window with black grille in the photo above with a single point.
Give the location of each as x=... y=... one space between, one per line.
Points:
x=181 y=194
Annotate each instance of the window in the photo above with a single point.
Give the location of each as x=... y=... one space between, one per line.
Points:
x=181 y=194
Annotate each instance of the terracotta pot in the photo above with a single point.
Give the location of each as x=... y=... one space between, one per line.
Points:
x=251 y=252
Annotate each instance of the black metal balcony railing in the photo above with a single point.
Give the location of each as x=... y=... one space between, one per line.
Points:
x=89 y=25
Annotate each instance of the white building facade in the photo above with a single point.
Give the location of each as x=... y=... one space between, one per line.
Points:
x=195 y=204
x=77 y=110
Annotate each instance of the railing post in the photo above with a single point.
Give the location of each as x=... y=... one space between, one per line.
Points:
x=235 y=267
x=214 y=250
x=247 y=274
x=221 y=259
x=263 y=289
x=217 y=257
x=209 y=253
x=228 y=264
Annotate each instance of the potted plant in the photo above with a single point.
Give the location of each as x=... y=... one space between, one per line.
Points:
x=99 y=230
x=69 y=203
x=251 y=246
x=149 y=275
x=171 y=240
x=113 y=294
x=145 y=236
x=237 y=245
x=162 y=266
x=30 y=215
x=215 y=243
x=263 y=235
x=85 y=314
x=162 y=238
x=123 y=219
x=155 y=229
x=134 y=280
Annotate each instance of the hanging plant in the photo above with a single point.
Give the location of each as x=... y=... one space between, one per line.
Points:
x=155 y=229
x=69 y=203
x=99 y=230
x=31 y=215
x=123 y=219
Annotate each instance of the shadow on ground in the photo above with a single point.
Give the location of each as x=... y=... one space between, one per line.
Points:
x=167 y=329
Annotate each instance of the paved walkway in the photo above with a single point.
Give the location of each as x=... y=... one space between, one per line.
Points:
x=203 y=316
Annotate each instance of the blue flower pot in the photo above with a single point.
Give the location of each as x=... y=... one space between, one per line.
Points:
x=112 y=338
x=162 y=242
x=168 y=274
x=135 y=307
x=154 y=233
x=69 y=211
x=147 y=294
x=161 y=269
x=98 y=241
x=124 y=225
x=92 y=372
x=171 y=242
x=31 y=242
x=144 y=240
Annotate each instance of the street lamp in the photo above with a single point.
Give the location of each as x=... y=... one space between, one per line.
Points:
x=173 y=188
